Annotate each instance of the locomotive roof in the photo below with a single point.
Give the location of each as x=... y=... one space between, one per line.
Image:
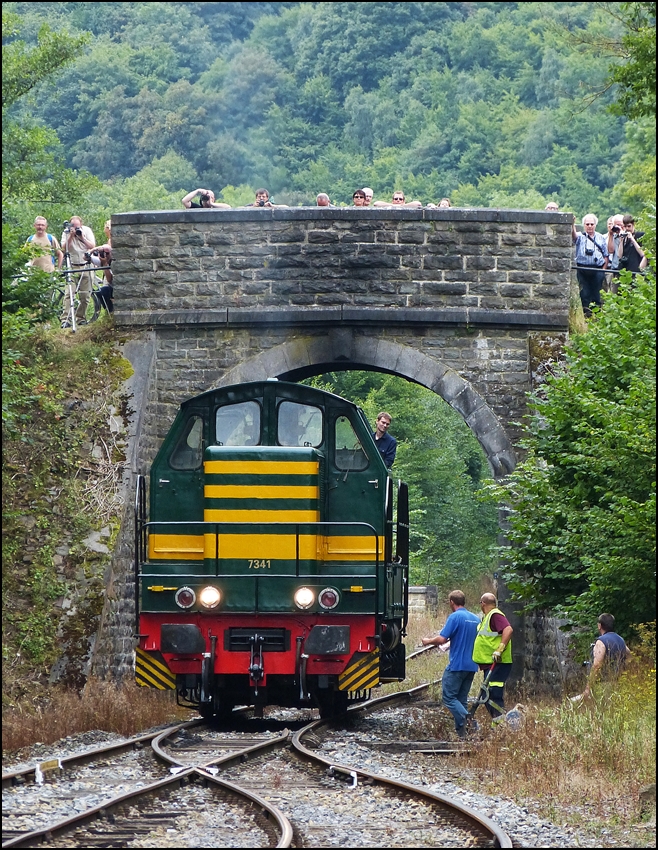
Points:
x=259 y=385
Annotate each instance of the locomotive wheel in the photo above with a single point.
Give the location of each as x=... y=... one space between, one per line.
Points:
x=332 y=703
x=218 y=708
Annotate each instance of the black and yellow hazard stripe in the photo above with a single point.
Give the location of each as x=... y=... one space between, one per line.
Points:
x=361 y=673
x=151 y=671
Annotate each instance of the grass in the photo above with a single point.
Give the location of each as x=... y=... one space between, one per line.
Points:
x=576 y=763
x=123 y=709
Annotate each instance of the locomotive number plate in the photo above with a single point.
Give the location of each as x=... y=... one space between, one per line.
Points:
x=256 y=564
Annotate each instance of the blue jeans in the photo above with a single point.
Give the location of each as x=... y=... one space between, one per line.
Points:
x=456 y=685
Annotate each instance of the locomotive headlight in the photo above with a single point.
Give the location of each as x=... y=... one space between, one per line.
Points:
x=328 y=598
x=210 y=597
x=185 y=597
x=304 y=597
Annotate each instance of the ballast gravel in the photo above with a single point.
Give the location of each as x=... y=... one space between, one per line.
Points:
x=350 y=746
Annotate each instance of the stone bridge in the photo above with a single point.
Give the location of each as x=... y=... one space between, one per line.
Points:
x=450 y=299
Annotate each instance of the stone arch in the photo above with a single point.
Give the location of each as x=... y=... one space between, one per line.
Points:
x=344 y=348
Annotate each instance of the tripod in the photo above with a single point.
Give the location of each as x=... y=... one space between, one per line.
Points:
x=68 y=277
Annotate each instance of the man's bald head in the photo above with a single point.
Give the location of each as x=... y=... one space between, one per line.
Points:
x=488 y=599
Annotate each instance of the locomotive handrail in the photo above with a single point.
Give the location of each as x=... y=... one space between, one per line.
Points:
x=140 y=539
x=216 y=526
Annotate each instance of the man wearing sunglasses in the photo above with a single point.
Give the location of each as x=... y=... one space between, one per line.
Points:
x=398 y=201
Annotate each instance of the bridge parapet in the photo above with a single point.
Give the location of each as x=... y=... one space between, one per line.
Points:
x=477 y=267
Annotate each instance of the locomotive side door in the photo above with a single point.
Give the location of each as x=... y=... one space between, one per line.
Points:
x=177 y=492
x=357 y=479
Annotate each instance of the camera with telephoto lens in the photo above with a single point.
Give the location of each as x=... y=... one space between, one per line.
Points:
x=66 y=226
x=204 y=198
x=616 y=228
x=78 y=232
x=261 y=203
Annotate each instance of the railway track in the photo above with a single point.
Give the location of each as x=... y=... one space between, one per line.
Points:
x=252 y=784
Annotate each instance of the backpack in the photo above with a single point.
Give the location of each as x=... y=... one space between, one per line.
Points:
x=52 y=247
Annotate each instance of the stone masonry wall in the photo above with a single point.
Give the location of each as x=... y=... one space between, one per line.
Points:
x=452 y=260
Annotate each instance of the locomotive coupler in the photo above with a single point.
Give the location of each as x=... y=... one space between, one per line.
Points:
x=300 y=670
x=208 y=672
x=256 y=671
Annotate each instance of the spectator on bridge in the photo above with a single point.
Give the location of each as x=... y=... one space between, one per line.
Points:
x=102 y=257
x=359 y=198
x=386 y=444
x=206 y=200
x=398 y=201
x=551 y=206
x=369 y=195
x=263 y=200
x=323 y=200
x=632 y=256
x=493 y=648
x=591 y=262
x=44 y=247
x=443 y=204
x=77 y=241
x=615 y=225
x=460 y=630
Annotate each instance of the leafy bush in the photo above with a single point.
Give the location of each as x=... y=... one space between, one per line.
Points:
x=582 y=505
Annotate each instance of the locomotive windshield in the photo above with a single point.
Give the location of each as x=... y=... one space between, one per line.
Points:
x=299 y=424
x=238 y=424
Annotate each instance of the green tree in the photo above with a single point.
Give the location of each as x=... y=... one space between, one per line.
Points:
x=636 y=75
x=582 y=505
x=32 y=162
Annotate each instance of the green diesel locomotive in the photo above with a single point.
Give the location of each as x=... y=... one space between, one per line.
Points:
x=272 y=567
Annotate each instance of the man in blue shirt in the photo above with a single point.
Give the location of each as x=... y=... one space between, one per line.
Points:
x=460 y=629
x=386 y=444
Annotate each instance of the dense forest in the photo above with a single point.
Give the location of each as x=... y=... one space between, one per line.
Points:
x=491 y=104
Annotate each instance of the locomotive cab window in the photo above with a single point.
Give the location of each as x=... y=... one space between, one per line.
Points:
x=349 y=453
x=189 y=448
x=299 y=424
x=238 y=424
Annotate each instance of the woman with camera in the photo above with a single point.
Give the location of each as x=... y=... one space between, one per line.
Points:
x=77 y=241
x=206 y=201
x=591 y=260
x=102 y=257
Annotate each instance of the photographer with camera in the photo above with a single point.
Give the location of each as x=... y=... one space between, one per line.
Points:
x=591 y=262
x=632 y=256
x=263 y=200
x=77 y=242
x=615 y=229
x=206 y=201
x=102 y=257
